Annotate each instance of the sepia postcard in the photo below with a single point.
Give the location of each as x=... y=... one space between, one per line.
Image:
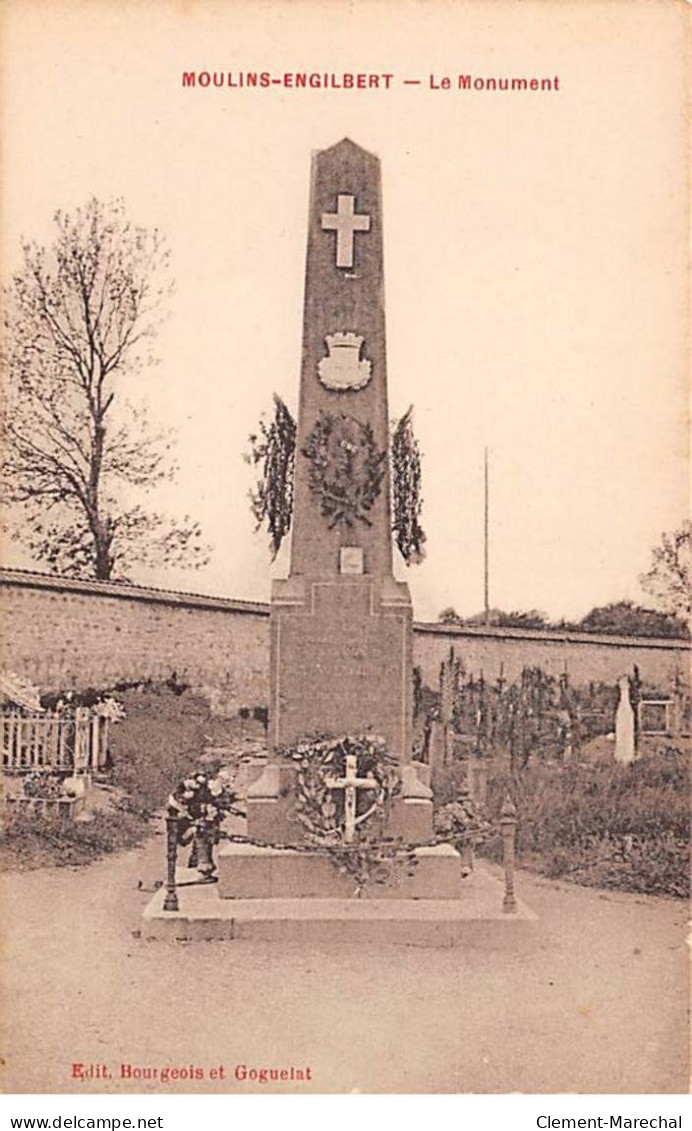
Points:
x=345 y=579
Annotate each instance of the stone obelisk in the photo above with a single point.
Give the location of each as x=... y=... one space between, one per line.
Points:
x=340 y=634
x=341 y=625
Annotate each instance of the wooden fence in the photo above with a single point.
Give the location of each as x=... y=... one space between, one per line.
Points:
x=74 y=744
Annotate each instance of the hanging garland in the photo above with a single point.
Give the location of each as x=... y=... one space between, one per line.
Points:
x=274 y=451
x=346 y=468
x=345 y=472
x=406 y=491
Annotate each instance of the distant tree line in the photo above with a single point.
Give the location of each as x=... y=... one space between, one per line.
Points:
x=668 y=581
x=621 y=618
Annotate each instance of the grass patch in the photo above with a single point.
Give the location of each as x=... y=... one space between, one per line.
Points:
x=605 y=825
x=28 y=842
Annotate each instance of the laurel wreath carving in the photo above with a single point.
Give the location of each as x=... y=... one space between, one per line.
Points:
x=346 y=468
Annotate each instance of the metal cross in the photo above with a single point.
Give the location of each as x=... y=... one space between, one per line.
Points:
x=351 y=783
x=345 y=222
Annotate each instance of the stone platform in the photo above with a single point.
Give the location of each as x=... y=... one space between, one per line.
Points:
x=475 y=918
x=248 y=871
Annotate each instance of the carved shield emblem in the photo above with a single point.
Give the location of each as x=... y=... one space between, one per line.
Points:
x=343 y=368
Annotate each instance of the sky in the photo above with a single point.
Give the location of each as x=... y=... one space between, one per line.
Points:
x=535 y=259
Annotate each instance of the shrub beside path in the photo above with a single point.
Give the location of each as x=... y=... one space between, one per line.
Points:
x=597 y=1002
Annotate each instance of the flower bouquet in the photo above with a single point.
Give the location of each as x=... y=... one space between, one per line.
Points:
x=201 y=804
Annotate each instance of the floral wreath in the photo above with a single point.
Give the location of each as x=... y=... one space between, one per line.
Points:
x=346 y=467
x=319 y=808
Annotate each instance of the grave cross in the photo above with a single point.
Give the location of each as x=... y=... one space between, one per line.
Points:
x=345 y=222
x=351 y=783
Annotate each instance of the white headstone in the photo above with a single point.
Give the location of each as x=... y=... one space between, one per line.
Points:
x=624 y=725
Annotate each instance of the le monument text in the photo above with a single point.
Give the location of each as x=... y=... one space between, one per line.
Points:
x=366 y=80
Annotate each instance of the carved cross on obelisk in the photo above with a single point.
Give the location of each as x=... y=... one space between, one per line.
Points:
x=345 y=223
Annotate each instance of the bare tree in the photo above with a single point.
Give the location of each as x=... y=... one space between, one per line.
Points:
x=669 y=580
x=80 y=319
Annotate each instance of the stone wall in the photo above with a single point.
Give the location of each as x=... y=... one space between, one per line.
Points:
x=61 y=633
x=585 y=656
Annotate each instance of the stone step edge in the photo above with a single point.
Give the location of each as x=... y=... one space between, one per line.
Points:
x=330 y=910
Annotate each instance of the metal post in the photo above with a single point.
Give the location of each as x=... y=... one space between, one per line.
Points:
x=93 y=755
x=103 y=743
x=170 y=903
x=508 y=822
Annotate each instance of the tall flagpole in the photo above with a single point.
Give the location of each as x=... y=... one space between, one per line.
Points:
x=486 y=548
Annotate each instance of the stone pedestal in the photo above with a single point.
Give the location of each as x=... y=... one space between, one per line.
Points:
x=341 y=659
x=438 y=750
x=340 y=664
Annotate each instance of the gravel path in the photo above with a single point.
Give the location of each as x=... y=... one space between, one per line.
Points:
x=596 y=1002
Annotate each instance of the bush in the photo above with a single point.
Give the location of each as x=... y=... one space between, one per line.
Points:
x=446 y=782
x=159 y=742
x=28 y=842
x=623 y=827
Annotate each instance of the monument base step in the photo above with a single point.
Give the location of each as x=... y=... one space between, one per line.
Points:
x=249 y=871
x=476 y=919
